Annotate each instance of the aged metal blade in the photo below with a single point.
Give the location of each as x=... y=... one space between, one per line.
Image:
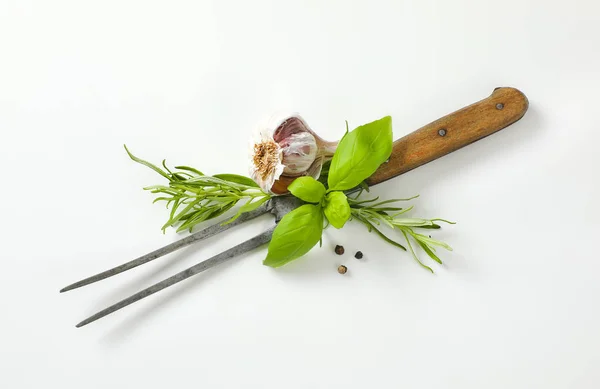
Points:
x=241 y=248
x=193 y=238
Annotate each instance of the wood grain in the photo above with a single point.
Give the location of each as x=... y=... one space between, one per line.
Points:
x=501 y=109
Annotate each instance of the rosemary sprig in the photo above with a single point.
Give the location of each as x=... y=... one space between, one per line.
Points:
x=195 y=197
x=374 y=214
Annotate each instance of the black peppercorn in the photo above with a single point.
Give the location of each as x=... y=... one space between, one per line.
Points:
x=358 y=255
x=339 y=250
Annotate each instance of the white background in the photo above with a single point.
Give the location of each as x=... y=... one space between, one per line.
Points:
x=515 y=304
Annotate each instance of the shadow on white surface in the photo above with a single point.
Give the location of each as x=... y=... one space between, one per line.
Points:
x=155 y=304
x=165 y=269
x=498 y=145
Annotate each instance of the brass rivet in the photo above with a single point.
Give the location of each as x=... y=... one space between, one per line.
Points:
x=442 y=132
x=499 y=106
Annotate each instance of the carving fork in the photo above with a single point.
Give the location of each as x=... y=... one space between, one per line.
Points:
x=502 y=108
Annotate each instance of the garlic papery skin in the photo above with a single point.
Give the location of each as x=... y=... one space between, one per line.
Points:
x=283 y=148
x=299 y=152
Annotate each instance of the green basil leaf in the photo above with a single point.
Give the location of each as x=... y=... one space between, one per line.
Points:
x=295 y=235
x=237 y=179
x=337 y=209
x=360 y=153
x=307 y=189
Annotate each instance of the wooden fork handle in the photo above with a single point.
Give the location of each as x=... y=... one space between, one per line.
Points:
x=501 y=109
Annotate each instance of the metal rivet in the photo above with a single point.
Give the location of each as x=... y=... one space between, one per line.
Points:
x=499 y=106
x=442 y=132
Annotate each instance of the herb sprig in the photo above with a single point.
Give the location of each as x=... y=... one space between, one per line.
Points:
x=375 y=215
x=195 y=197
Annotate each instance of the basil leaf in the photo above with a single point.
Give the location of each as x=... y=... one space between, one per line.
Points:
x=237 y=179
x=295 y=235
x=337 y=209
x=307 y=189
x=360 y=153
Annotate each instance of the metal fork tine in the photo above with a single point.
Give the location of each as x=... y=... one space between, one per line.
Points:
x=246 y=246
x=195 y=237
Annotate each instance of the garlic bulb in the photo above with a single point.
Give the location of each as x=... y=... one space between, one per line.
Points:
x=284 y=148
